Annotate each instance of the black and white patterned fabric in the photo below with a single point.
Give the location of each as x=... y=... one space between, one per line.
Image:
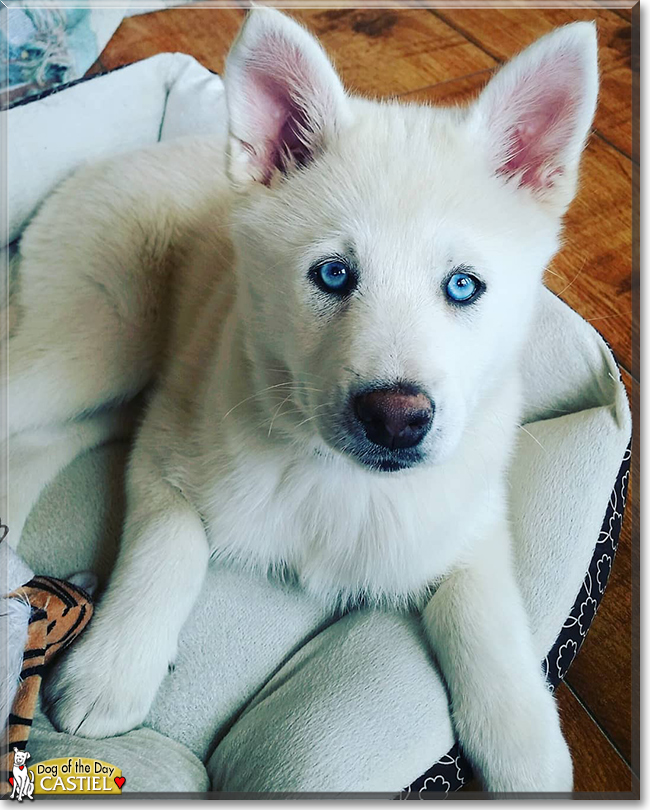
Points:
x=575 y=628
x=449 y=774
x=453 y=771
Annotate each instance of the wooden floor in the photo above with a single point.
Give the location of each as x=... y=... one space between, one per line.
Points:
x=446 y=56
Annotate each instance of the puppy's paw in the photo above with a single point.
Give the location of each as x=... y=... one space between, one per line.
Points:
x=92 y=696
x=528 y=753
x=540 y=768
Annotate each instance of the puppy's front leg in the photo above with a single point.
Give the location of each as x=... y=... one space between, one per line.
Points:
x=505 y=717
x=107 y=683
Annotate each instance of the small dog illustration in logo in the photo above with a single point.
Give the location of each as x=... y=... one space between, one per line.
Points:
x=22 y=778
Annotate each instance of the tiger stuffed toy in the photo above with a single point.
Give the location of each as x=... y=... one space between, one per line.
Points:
x=59 y=612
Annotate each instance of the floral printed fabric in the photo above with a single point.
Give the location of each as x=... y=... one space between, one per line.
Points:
x=46 y=46
x=574 y=630
x=453 y=771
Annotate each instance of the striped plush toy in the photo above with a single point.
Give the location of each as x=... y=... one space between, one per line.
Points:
x=56 y=612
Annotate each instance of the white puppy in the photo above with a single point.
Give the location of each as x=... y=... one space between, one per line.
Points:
x=329 y=315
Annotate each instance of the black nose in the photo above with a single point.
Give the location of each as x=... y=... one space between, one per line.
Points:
x=394 y=417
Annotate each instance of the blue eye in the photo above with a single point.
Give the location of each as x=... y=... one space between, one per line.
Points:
x=334 y=277
x=463 y=288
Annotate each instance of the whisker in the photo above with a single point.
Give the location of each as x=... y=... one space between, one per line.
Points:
x=286 y=413
x=604 y=317
x=277 y=411
x=295 y=389
x=553 y=272
x=302 y=373
x=521 y=427
x=304 y=421
x=259 y=394
x=574 y=279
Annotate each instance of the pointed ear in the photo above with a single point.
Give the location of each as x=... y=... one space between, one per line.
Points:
x=538 y=110
x=285 y=101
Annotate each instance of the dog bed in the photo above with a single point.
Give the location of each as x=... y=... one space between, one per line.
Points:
x=269 y=694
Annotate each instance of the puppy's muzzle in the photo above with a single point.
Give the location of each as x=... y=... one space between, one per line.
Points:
x=394 y=417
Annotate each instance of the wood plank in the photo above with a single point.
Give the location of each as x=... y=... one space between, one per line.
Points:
x=385 y=52
x=96 y=68
x=601 y=675
x=204 y=33
x=377 y=52
x=503 y=32
x=635 y=368
x=454 y=91
x=596 y=765
x=625 y=13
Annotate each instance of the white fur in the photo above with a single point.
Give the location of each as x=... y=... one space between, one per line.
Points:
x=177 y=266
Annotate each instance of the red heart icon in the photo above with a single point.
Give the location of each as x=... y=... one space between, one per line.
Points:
x=119 y=781
x=21 y=767
x=11 y=781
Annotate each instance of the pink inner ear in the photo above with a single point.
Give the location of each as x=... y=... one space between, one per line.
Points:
x=278 y=92
x=280 y=123
x=540 y=121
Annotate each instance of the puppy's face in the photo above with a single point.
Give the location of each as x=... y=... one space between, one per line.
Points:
x=390 y=256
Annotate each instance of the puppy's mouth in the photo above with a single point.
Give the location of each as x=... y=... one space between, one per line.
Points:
x=387 y=463
x=363 y=454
